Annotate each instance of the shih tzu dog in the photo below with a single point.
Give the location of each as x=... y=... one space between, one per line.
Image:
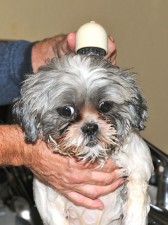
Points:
x=84 y=107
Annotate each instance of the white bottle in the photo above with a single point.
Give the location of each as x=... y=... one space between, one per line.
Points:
x=91 y=39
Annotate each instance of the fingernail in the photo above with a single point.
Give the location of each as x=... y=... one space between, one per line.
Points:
x=111 y=38
x=71 y=38
x=101 y=207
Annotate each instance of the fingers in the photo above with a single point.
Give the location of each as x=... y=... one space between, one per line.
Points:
x=112 y=52
x=102 y=178
x=88 y=195
x=77 y=176
x=60 y=46
x=83 y=194
x=71 y=39
x=84 y=201
x=64 y=44
x=95 y=191
x=80 y=182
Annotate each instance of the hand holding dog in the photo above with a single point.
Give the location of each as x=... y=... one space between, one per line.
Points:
x=76 y=181
x=83 y=184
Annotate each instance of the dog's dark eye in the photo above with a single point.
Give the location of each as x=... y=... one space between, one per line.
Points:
x=105 y=107
x=66 y=111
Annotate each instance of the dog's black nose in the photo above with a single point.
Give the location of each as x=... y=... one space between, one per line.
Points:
x=90 y=128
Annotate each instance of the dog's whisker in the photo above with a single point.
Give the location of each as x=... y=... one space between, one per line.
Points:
x=53 y=143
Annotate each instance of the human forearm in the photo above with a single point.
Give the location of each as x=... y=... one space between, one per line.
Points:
x=11 y=145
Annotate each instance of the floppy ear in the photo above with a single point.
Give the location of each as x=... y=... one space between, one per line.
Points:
x=138 y=110
x=136 y=104
x=27 y=121
x=133 y=112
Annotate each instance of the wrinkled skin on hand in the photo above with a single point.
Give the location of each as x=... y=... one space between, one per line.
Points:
x=82 y=183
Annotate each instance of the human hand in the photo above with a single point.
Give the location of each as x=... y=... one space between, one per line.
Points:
x=63 y=44
x=80 y=182
x=47 y=49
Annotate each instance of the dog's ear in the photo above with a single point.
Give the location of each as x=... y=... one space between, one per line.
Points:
x=138 y=110
x=131 y=114
x=23 y=117
x=137 y=105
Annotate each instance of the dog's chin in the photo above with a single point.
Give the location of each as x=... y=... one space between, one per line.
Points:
x=90 y=150
x=91 y=144
x=93 y=152
x=92 y=141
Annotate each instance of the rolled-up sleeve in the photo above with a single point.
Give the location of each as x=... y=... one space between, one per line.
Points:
x=15 y=64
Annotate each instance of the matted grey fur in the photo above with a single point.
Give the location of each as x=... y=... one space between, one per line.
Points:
x=84 y=107
x=76 y=80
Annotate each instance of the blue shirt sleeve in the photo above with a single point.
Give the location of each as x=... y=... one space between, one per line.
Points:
x=15 y=63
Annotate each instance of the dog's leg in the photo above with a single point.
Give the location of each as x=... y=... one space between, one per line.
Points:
x=136 y=208
x=135 y=156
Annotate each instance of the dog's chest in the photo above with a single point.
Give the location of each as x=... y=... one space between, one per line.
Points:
x=81 y=216
x=53 y=205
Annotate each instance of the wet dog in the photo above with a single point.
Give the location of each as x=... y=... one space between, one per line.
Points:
x=84 y=107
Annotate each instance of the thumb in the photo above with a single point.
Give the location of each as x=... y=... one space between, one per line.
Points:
x=71 y=40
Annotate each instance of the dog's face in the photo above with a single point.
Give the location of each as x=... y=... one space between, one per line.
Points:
x=81 y=105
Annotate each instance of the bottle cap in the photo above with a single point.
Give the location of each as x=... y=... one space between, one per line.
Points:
x=91 y=35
